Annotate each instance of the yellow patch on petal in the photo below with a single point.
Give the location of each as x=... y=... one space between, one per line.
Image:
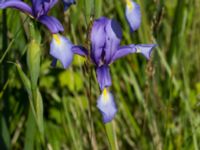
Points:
x=57 y=38
x=105 y=95
x=129 y=4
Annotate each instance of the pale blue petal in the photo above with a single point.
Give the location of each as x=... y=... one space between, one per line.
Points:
x=145 y=49
x=107 y=106
x=133 y=15
x=62 y=50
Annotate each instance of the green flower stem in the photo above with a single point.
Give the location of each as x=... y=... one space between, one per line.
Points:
x=111 y=134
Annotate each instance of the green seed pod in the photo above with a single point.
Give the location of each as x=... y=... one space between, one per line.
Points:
x=33 y=61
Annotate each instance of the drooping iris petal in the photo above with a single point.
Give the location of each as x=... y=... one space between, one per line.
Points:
x=61 y=49
x=51 y=23
x=107 y=106
x=98 y=37
x=145 y=49
x=80 y=50
x=133 y=14
x=113 y=39
x=68 y=3
x=103 y=76
x=123 y=51
x=17 y=4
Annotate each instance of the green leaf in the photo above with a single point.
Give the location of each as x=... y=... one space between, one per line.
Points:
x=110 y=131
x=4 y=88
x=5 y=135
x=30 y=132
x=25 y=80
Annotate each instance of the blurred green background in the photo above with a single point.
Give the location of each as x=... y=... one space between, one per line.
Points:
x=158 y=100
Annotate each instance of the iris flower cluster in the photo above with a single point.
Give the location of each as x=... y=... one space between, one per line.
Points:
x=106 y=48
x=106 y=37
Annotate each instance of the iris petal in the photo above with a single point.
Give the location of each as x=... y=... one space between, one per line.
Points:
x=98 y=37
x=145 y=49
x=103 y=76
x=133 y=15
x=51 y=23
x=107 y=106
x=61 y=49
x=123 y=51
x=80 y=50
x=113 y=39
x=41 y=7
x=17 y=4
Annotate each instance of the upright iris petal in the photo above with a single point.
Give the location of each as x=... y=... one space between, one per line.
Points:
x=42 y=7
x=61 y=49
x=107 y=106
x=133 y=14
x=98 y=40
x=113 y=39
x=68 y=3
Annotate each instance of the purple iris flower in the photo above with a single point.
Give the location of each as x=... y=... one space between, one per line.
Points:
x=60 y=48
x=39 y=11
x=106 y=37
x=133 y=15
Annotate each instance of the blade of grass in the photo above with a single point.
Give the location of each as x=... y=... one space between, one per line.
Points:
x=30 y=132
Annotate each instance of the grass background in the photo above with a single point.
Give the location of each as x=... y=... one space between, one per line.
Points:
x=158 y=100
